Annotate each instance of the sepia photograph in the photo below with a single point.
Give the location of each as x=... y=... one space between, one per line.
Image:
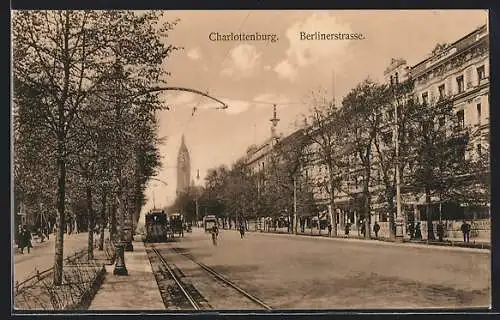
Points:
x=250 y=160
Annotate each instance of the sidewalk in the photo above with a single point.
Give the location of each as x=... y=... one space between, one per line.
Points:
x=35 y=243
x=447 y=245
x=137 y=291
x=41 y=257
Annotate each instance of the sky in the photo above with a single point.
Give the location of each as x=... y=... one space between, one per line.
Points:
x=250 y=76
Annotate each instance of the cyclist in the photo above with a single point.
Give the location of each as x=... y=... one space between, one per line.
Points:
x=215 y=234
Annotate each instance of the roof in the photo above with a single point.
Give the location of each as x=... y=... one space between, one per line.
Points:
x=458 y=45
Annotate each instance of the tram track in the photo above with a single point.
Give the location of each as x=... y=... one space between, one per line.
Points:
x=186 y=283
x=224 y=280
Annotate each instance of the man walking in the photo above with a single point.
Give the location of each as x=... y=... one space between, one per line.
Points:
x=465 y=230
x=329 y=230
x=440 y=231
x=376 y=229
x=242 y=230
x=25 y=239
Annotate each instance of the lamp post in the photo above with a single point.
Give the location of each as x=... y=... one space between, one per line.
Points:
x=294 y=205
x=399 y=215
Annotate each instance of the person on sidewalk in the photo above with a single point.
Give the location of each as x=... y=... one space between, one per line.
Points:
x=329 y=230
x=440 y=231
x=465 y=230
x=26 y=239
x=347 y=229
x=418 y=232
x=376 y=229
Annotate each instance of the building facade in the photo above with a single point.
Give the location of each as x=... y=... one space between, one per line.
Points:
x=457 y=73
x=183 y=168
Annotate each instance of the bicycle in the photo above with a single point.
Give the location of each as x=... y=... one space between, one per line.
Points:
x=214 y=238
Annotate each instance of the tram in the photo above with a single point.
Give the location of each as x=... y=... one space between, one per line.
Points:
x=209 y=221
x=177 y=223
x=157 y=226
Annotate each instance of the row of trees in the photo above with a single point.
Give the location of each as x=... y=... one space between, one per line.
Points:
x=355 y=145
x=84 y=105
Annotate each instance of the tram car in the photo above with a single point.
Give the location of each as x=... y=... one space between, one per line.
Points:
x=157 y=226
x=209 y=222
x=177 y=224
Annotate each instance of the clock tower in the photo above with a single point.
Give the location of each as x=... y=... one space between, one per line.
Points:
x=183 y=168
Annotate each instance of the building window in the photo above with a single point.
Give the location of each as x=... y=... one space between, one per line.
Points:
x=481 y=73
x=460 y=84
x=478 y=109
x=461 y=119
x=441 y=91
x=425 y=98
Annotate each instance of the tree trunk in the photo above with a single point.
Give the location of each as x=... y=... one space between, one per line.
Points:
x=59 y=243
x=430 y=226
x=366 y=209
x=90 y=243
x=112 y=227
x=334 y=214
x=392 y=210
x=103 y=221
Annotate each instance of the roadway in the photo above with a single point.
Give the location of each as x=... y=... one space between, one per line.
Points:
x=291 y=272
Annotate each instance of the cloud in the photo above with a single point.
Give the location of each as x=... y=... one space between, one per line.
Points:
x=194 y=54
x=302 y=53
x=244 y=61
x=286 y=70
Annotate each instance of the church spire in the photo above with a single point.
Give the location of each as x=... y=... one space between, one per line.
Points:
x=183 y=167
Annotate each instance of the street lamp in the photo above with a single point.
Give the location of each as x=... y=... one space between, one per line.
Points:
x=196 y=191
x=399 y=216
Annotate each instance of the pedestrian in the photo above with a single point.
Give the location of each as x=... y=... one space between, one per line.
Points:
x=362 y=226
x=465 y=230
x=329 y=230
x=347 y=229
x=25 y=239
x=440 y=231
x=40 y=234
x=418 y=232
x=242 y=231
x=411 y=230
x=376 y=228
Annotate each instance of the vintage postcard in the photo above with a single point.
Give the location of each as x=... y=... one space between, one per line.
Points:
x=259 y=160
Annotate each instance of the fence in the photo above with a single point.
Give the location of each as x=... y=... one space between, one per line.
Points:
x=81 y=279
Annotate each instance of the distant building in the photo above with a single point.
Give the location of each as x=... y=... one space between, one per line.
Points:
x=183 y=168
